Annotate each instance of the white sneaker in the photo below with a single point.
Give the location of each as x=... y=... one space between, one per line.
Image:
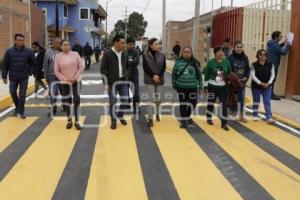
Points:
x=46 y=94
x=270 y=121
x=35 y=95
x=256 y=119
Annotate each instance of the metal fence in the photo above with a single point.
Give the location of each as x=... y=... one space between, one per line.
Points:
x=260 y=20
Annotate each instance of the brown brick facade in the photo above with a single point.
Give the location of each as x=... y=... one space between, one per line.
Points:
x=20 y=23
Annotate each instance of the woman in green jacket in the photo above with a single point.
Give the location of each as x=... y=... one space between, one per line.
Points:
x=216 y=71
x=187 y=80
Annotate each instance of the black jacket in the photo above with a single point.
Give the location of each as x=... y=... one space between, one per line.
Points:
x=38 y=68
x=133 y=59
x=110 y=67
x=78 y=49
x=18 y=63
x=87 y=50
x=240 y=64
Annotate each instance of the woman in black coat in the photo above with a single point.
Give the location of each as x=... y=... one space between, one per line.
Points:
x=240 y=66
x=38 y=73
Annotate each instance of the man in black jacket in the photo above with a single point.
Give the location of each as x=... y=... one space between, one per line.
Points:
x=176 y=49
x=77 y=48
x=18 y=63
x=116 y=70
x=87 y=53
x=133 y=62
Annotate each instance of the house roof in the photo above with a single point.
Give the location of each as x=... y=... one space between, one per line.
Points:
x=69 y=2
x=101 y=12
x=66 y=28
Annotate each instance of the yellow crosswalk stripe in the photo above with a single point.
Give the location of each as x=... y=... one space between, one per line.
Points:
x=193 y=173
x=280 y=181
x=36 y=174
x=116 y=172
x=11 y=128
x=286 y=141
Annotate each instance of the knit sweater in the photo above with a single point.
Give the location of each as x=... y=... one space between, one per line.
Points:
x=191 y=78
x=215 y=73
x=68 y=66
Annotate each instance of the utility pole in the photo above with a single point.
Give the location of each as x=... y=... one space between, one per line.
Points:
x=221 y=3
x=212 y=5
x=56 y=19
x=164 y=26
x=195 y=42
x=231 y=3
x=126 y=23
x=10 y=23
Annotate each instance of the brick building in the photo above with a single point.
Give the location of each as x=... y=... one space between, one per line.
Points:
x=17 y=16
x=182 y=31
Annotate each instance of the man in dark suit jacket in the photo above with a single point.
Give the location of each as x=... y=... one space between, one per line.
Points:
x=116 y=70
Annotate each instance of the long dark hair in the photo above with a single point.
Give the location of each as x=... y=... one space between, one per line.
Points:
x=150 y=43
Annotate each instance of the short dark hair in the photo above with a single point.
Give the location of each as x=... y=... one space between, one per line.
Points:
x=130 y=40
x=217 y=49
x=237 y=43
x=117 y=38
x=227 y=40
x=19 y=35
x=259 y=52
x=36 y=43
x=275 y=34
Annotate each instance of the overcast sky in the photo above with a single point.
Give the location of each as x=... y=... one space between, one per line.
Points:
x=176 y=10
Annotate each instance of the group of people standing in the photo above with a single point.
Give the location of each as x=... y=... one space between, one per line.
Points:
x=224 y=76
x=61 y=68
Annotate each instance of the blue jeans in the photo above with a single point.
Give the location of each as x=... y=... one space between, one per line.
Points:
x=241 y=101
x=123 y=91
x=19 y=101
x=266 y=93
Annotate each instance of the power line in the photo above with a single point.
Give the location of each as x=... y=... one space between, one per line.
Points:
x=146 y=6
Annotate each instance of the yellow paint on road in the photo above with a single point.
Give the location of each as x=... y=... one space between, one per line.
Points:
x=37 y=173
x=280 y=181
x=193 y=173
x=11 y=128
x=282 y=139
x=116 y=172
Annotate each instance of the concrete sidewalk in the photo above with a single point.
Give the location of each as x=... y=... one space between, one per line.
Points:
x=283 y=110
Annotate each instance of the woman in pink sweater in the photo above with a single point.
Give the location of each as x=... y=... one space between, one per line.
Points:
x=68 y=68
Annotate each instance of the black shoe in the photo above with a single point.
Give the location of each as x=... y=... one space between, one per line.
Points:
x=158 y=118
x=22 y=116
x=210 y=122
x=183 y=124
x=113 y=125
x=150 y=122
x=78 y=126
x=225 y=127
x=123 y=122
x=69 y=124
x=276 y=98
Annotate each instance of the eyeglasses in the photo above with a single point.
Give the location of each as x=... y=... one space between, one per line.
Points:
x=263 y=54
x=239 y=47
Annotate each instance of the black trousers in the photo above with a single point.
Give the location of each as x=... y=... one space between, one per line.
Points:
x=188 y=101
x=221 y=94
x=71 y=93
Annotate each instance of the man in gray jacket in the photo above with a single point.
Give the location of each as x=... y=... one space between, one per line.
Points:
x=50 y=75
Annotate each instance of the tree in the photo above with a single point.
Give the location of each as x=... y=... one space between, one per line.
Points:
x=136 y=26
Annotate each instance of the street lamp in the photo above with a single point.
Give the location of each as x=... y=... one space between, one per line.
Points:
x=106 y=21
x=56 y=19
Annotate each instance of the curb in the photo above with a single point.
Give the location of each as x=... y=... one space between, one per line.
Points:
x=275 y=116
x=6 y=101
